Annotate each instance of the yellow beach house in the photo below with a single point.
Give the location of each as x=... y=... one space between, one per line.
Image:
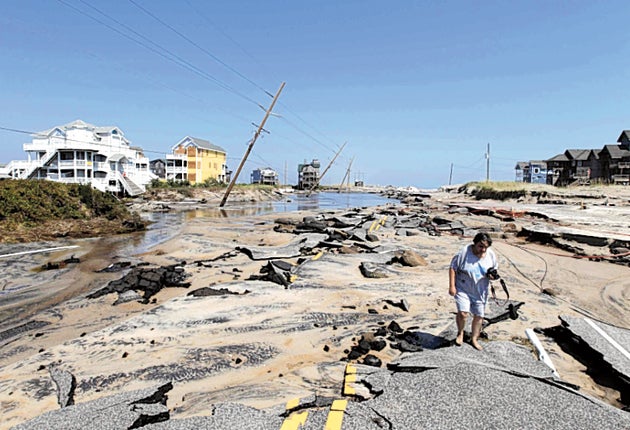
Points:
x=196 y=160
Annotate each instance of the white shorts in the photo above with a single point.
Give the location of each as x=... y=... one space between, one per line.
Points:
x=465 y=304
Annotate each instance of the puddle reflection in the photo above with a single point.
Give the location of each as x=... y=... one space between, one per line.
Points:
x=167 y=225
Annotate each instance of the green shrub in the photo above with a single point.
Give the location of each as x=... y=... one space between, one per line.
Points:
x=32 y=201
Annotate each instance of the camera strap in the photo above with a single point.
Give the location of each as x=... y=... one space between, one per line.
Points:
x=494 y=294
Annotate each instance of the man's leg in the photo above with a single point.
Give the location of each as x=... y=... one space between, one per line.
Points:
x=460 y=319
x=476 y=331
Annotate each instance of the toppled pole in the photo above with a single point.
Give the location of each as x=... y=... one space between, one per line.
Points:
x=251 y=145
x=347 y=175
x=325 y=170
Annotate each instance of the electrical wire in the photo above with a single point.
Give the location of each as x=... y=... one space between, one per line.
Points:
x=202 y=49
x=540 y=285
x=227 y=36
x=172 y=57
x=43 y=136
x=280 y=103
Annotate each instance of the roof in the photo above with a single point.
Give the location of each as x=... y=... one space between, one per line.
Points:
x=200 y=143
x=578 y=154
x=559 y=157
x=521 y=165
x=616 y=151
x=266 y=171
x=116 y=157
x=624 y=136
x=81 y=124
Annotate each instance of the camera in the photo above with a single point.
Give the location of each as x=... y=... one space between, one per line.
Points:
x=493 y=274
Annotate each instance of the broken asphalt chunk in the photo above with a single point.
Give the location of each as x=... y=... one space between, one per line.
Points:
x=120 y=411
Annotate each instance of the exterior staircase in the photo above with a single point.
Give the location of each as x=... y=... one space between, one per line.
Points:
x=48 y=157
x=131 y=187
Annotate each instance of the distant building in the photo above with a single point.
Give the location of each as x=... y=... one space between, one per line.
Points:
x=158 y=167
x=79 y=152
x=615 y=162
x=308 y=174
x=519 y=169
x=558 y=167
x=533 y=171
x=197 y=160
x=609 y=165
x=266 y=176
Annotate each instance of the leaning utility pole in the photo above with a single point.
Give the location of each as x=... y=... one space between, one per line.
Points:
x=251 y=145
x=347 y=175
x=450 y=176
x=325 y=170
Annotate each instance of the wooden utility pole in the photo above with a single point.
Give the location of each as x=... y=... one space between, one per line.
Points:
x=325 y=170
x=450 y=176
x=251 y=145
x=488 y=163
x=347 y=175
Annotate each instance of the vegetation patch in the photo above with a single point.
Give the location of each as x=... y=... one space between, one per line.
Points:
x=495 y=190
x=49 y=209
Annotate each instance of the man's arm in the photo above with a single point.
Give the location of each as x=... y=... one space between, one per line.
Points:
x=451 y=282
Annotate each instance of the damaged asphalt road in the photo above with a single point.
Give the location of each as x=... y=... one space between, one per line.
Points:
x=323 y=320
x=429 y=389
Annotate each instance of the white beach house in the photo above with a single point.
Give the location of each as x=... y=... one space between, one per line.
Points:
x=79 y=152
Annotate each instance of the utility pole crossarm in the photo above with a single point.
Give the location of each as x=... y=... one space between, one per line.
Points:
x=251 y=145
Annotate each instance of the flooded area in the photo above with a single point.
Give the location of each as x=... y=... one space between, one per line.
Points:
x=22 y=280
x=165 y=225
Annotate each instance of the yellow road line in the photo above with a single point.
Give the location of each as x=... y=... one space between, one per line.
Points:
x=335 y=416
x=318 y=255
x=293 y=403
x=349 y=378
x=374 y=224
x=294 y=421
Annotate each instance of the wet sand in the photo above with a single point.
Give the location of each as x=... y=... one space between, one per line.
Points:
x=269 y=344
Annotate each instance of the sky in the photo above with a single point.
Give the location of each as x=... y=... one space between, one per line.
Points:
x=416 y=90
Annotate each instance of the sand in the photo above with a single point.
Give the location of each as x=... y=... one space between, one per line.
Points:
x=269 y=344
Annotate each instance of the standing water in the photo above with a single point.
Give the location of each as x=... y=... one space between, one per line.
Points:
x=166 y=225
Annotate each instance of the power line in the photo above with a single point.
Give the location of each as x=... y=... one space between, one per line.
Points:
x=280 y=103
x=202 y=49
x=43 y=136
x=307 y=124
x=232 y=70
x=172 y=57
x=227 y=36
x=308 y=135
